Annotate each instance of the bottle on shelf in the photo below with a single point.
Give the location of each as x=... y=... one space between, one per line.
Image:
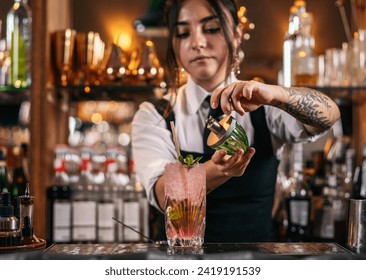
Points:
x=330 y=219
x=4 y=183
x=84 y=202
x=19 y=182
x=288 y=48
x=107 y=228
x=359 y=189
x=4 y=63
x=121 y=180
x=19 y=42
x=347 y=182
x=59 y=201
x=319 y=178
x=135 y=209
x=298 y=201
x=305 y=61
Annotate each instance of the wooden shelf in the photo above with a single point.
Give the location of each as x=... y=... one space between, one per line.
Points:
x=13 y=96
x=109 y=92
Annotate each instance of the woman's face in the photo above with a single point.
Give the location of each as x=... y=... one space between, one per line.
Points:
x=200 y=45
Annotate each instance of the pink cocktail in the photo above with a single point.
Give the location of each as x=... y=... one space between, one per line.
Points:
x=185 y=204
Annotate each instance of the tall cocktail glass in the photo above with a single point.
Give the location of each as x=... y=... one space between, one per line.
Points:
x=185 y=204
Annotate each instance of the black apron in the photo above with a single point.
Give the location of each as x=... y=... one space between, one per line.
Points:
x=240 y=209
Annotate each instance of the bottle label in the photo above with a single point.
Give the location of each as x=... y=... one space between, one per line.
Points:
x=299 y=212
x=61 y=221
x=327 y=224
x=131 y=212
x=106 y=225
x=84 y=220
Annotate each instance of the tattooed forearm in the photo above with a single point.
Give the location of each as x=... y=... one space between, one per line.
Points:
x=308 y=106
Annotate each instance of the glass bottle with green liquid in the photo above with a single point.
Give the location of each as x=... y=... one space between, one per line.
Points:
x=18 y=40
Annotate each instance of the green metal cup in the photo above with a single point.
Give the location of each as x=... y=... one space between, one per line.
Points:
x=227 y=134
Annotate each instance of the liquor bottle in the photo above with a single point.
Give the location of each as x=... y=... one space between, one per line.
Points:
x=19 y=183
x=298 y=201
x=330 y=219
x=347 y=182
x=305 y=61
x=59 y=201
x=107 y=228
x=4 y=183
x=121 y=180
x=359 y=188
x=19 y=41
x=288 y=48
x=135 y=209
x=319 y=179
x=84 y=203
x=296 y=10
x=4 y=63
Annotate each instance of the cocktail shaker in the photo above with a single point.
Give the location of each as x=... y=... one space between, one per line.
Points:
x=9 y=225
x=356 y=240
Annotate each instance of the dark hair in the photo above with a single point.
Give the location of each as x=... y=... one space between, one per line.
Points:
x=172 y=9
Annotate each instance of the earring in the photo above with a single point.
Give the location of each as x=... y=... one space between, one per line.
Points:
x=236 y=63
x=238 y=59
x=181 y=75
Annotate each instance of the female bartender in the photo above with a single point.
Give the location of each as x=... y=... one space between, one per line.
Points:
x=204 y=37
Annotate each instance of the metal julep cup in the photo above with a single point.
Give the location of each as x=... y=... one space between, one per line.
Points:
x=356 y=240
x=227 y=134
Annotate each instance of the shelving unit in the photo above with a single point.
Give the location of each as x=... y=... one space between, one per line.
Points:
x=50 y=105
x=109 y=92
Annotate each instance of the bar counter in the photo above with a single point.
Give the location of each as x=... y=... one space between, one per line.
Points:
x=151 y=251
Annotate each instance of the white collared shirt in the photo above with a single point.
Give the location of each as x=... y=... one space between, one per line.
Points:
x=153 y=147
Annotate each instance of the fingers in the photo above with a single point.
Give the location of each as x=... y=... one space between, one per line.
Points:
x=219 y=157
x=240 y=160
x=234 y=96
x=234 y=165
x=215 y=97
x=228 y=99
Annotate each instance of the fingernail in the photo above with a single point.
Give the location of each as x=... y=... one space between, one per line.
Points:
x=213 y=104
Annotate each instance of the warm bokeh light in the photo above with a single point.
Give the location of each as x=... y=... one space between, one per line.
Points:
x=124 y=41
x=96 y=118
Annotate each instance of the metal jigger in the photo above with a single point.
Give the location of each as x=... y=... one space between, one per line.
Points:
x=227 y=134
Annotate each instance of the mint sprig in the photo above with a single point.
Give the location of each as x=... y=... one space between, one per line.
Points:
x=189 y=160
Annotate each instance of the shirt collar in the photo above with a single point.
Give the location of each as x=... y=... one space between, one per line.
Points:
x=195 y=94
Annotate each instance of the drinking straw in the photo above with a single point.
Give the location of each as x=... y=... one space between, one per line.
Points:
x=118 y=221
x=175 y=139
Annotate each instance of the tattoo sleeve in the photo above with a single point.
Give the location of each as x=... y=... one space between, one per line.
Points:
x=308 y=106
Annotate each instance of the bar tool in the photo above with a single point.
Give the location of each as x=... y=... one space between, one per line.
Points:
x=227 y=134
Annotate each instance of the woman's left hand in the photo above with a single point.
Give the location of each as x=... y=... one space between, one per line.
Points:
x=243 y=96
x=235 y=165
